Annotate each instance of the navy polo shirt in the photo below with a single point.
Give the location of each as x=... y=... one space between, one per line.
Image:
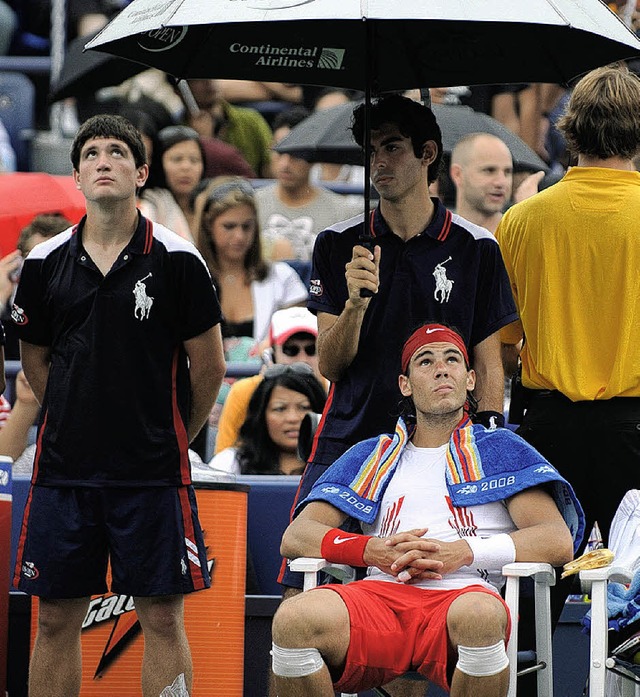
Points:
x=117 y=402
x=452 y=272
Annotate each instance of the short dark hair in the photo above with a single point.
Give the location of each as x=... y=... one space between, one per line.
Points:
x=414 y=120
x=290 y=117
x=166 y=139
x=109 y=126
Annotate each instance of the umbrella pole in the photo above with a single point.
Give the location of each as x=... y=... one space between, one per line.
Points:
x=58 y=44
x=369 y=55
x=366 y=239
x=627 y=13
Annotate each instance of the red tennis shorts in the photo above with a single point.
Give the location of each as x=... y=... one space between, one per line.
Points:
x=397 y=628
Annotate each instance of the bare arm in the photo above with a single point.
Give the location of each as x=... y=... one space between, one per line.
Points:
x=9 y=264
x=338 y=336
x=35 y=363
x=511 y=337
x=303 y=538
x=236 y=91
x=542 y=534
x=14 y=434
x=530 y=114
x=487 y=363
x=528 y=186
x=3 y=378
x=206 y=370
x=510 y=353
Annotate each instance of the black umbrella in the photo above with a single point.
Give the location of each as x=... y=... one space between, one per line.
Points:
x=85 y=72
x=379 y=44
x=371 y=45
x=325 y=136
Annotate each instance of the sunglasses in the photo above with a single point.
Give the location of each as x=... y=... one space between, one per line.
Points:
x=177 y=134
x=274 y=371
x=292 y=350
x=221 y=192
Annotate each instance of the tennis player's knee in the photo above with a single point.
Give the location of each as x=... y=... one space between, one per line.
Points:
x=308 y=619
x=476 y=619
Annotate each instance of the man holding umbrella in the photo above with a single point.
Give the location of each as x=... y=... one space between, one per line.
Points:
x=420 y=263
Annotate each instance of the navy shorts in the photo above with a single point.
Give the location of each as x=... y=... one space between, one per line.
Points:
x=151 y=537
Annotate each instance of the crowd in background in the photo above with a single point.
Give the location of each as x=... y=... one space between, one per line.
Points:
x=254 y=214
x=222 y=148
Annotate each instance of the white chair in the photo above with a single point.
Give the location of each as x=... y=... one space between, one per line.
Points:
x=594 y=582
x=543 y=576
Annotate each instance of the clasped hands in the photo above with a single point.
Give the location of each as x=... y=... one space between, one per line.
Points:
x=409 y=556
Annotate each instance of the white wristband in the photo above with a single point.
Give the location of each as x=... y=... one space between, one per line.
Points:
x=492 y=553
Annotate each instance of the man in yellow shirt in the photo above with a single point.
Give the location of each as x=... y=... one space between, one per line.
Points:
x=292 y=337
x=572 y=253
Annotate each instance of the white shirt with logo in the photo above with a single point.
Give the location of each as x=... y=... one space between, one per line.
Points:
x=417 y=497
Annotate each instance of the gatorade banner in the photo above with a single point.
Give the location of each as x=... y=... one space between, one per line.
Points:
x=112 y=642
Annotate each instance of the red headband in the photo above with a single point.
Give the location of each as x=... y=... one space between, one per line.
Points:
x=430 y=334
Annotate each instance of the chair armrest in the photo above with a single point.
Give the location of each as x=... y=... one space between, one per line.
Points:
x=311 y=565
x=595 y=582
x=544 y=576
x=617 y=574
x=539 y=571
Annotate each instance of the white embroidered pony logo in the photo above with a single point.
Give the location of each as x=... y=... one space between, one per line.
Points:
x=143 y=301
x=443 y=284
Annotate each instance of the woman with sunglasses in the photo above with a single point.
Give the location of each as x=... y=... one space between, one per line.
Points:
x=292 y=336
x=250 y=289
x=176 y=170
x=268 y=441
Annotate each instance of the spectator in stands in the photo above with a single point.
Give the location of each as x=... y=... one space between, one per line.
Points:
x=244 y=128
x=322 y=172
x=292 y=339
x=250 y=289
x=41 y=228
x=177 y=169
x=238 y=91
x=146 y=124
x=8 y=26
x=82 y=17
x=293 y=211
x=268 y=442
x=220 y=158
x=7 y=153
x=481 y=170
x=14 y=434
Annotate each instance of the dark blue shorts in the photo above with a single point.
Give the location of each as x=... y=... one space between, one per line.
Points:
x=151 y=537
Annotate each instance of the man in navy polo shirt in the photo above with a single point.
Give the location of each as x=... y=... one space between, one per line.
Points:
x=119 y=327
x=427 y=264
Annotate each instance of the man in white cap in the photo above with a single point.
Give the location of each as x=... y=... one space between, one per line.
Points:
x=292 y=338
